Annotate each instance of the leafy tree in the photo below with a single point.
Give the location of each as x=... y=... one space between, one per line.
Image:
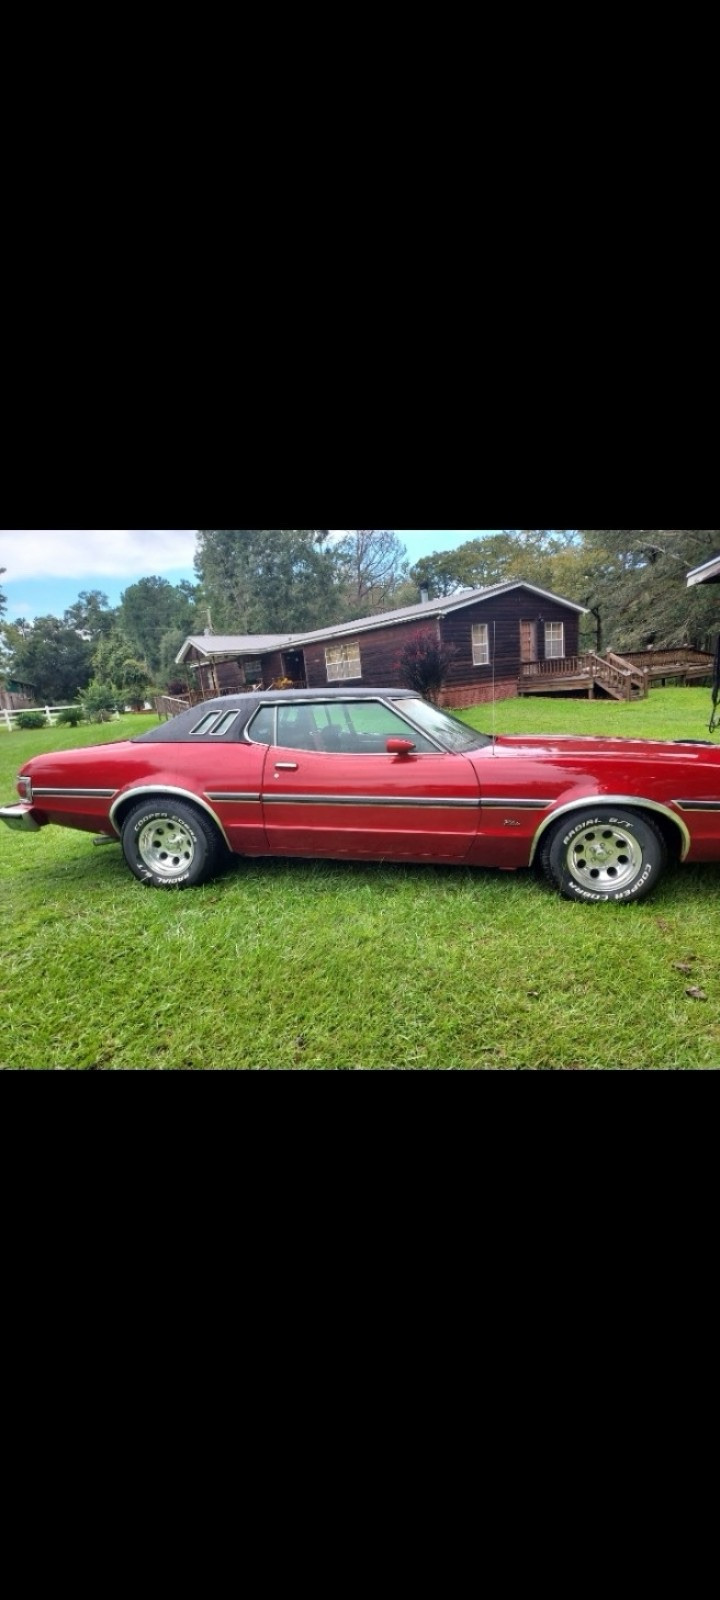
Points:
x=115 y=663
x=636 y=584
x=268 y=580
x=109 y=654
x=148 y=609
x=54 y=659
x=443 y=572
x=424 y=663
x=473 y=565
x=3 y=597
x=550 y=558
x=171 y=644
x=91 y=615
x=372 y=565
x=134 y=683
x=11 y=638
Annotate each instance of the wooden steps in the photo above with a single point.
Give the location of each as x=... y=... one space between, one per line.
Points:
x=625 y=677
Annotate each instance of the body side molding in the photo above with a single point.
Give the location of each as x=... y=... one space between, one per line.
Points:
x=160 y=790
x=635 y=801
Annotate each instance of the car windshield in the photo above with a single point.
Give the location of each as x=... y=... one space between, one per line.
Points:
x=446 y=730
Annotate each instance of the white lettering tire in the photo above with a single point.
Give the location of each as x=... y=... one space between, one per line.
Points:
x=604 y=853
x=170 y=845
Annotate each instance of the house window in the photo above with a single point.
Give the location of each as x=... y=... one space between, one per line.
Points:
x=554 y=640
x=481 y=644
x=343 y=662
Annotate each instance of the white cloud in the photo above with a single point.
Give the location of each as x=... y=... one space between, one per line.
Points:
x=44 y=553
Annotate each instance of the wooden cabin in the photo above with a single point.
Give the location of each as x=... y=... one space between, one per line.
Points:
x=492 y=631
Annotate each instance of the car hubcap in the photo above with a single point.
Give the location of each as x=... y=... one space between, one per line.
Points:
x=166 y=847
x=604 y=858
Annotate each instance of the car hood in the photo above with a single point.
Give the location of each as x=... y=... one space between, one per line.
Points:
x=591 y=747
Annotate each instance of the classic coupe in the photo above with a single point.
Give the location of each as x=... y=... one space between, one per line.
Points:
x=381 y=775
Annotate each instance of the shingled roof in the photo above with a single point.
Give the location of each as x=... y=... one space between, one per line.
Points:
x=214 y=645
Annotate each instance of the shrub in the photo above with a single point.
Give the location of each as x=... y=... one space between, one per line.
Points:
x=70 y=717
x=424 y=663
x=99 y=701
x=31 y=719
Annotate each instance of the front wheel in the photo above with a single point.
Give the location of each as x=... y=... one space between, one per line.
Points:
x=604 y=854
x=170 y=845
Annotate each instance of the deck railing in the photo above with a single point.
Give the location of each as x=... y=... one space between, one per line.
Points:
x=613 y=672
x=622 y=674
x=658 y=661
x=563 y=666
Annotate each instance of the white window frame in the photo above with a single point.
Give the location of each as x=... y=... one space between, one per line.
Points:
x=342 y=662
x=551 y=639
x=481 y=644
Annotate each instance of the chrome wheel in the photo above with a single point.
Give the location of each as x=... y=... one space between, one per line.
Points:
x=167 y=847
x=604 y=857
x=607 y=854
x=171 y=845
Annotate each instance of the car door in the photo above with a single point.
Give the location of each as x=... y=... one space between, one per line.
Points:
x=331 y=788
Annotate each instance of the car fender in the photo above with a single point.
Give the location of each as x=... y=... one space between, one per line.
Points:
x=129 y=797
x=635 y=801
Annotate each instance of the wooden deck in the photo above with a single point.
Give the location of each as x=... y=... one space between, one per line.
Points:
x=626 y=677
x=685 y=665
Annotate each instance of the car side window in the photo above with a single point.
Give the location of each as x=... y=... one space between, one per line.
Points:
x=262 y=728
x=296 y=728
x=344 y=728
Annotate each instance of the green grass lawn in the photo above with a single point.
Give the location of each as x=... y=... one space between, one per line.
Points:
x=328 y=965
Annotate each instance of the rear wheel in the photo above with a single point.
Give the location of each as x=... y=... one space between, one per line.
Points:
x=170 y=845
x=604 y=854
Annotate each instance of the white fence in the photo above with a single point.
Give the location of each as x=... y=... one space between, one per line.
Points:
x=50 y=713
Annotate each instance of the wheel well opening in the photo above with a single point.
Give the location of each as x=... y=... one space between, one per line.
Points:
x=161 y=797
x=671 y=831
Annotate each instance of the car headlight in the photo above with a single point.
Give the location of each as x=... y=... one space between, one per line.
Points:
x=24 y=788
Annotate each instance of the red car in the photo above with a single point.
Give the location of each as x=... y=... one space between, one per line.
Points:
x=381 y=775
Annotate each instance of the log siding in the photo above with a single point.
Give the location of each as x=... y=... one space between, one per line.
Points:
x=380 y=646
x=379 y=657
x=503 y=615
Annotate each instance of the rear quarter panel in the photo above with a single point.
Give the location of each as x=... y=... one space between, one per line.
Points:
x=80 y=788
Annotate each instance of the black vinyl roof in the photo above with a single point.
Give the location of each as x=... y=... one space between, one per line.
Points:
x=178 y=729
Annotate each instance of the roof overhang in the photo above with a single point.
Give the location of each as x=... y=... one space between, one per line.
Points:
x=709 y=572
x=212 y=648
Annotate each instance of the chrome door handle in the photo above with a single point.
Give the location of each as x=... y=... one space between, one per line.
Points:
x=286 y=766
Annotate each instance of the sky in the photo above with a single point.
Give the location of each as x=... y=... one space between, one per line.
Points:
x=46 y=568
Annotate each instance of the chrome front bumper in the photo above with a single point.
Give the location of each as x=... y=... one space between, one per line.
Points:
x=20 y=818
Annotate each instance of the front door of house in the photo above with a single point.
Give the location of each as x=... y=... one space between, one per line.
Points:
x=294 y=666
x=528 y=641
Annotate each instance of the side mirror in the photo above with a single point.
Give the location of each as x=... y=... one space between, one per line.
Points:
x=399 y=747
